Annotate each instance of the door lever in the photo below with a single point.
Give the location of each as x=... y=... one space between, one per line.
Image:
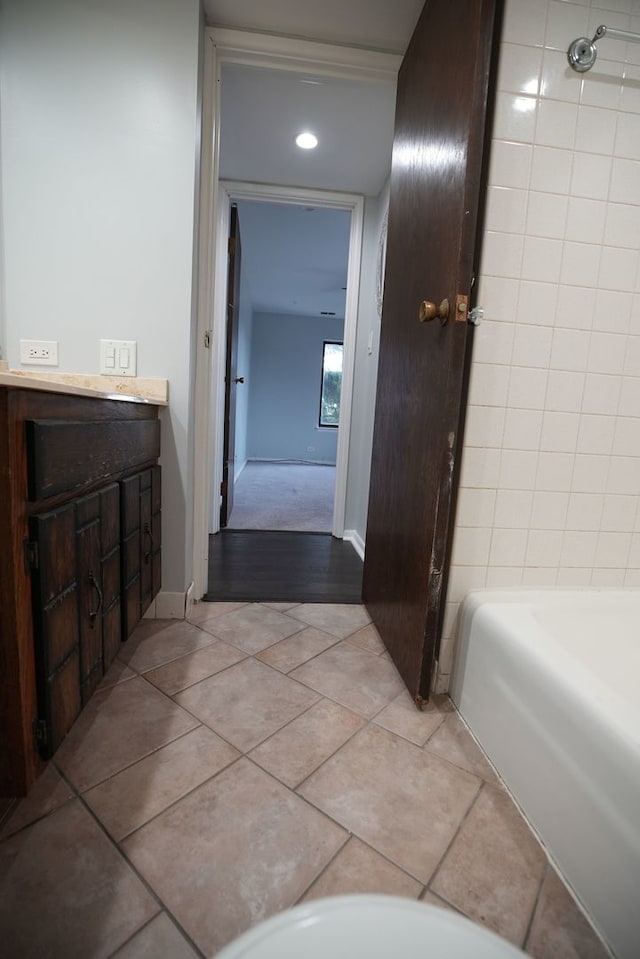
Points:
x=238 y=379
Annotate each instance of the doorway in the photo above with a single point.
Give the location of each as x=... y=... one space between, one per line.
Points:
x=322 y=183
x=283 y=394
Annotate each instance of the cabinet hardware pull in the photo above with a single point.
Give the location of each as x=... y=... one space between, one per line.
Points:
x=148 y=533
x=92 y=615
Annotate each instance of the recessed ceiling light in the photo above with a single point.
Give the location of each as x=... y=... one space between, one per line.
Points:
x=307 y=141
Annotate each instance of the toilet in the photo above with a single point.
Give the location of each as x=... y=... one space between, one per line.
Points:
x=369 y=927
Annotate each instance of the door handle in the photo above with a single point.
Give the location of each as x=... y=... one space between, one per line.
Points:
x=147 y=532
x=92 y=615
x=429 y=311
x=239 y=379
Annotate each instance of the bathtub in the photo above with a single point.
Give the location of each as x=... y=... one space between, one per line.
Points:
x=549 y=683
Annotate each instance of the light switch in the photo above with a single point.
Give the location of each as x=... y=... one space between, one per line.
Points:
x=118 y=357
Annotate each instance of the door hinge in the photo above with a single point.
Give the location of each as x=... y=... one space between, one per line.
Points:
x=223 y=489
x=41 y=736
x=435 y=585
x=31 y=555
x=207 y=339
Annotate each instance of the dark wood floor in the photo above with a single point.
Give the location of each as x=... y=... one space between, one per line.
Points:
x=259 y=566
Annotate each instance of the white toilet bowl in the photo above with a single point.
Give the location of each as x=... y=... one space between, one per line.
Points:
x=369 y=927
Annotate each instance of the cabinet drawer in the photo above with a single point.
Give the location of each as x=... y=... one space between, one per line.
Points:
x=66 y=457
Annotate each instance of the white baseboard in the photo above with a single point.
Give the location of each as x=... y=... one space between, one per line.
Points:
x=237 y=470
x=169 y=605
x=353 y=536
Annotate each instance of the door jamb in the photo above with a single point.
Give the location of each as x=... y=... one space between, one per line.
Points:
x=234 y=46
x=354 y=203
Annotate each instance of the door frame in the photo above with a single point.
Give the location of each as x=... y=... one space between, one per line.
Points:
x=354 y=203
x=282 y=53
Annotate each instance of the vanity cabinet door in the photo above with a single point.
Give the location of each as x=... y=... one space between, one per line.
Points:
x=90 y=596
x=141 y=547
x=56 y=632
x=110 y=566
x=131 y=547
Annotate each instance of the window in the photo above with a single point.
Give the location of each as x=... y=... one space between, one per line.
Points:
x=331 y=384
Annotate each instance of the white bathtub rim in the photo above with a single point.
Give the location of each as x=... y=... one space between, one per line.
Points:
x=620 y=714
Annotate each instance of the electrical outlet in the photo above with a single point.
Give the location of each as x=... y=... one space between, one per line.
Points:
x=39 y=352
x=118 y=357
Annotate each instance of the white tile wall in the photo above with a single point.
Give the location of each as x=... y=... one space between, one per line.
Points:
x=550 y=488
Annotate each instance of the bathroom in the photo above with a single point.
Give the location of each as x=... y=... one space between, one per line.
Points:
x=551 y=469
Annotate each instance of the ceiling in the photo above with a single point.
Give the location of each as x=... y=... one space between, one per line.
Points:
x=262 y=110
x=295 y=257
x=377 y=24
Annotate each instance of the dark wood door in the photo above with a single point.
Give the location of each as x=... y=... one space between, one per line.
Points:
x=432 y=250
x=231 y=367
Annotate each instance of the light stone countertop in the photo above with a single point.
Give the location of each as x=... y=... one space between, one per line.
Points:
x=132 y=389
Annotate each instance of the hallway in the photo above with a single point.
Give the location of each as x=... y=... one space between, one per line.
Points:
x=254 y=757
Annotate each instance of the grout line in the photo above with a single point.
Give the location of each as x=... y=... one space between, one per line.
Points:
x=324 y=869
x=178 y=799
x=151 y=891
x=453 y=839
x=527 y=932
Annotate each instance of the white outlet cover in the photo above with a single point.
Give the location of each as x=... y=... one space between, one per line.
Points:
x=118 y=357
x=39 y=352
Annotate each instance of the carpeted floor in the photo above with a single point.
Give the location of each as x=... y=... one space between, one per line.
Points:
x=284 y=496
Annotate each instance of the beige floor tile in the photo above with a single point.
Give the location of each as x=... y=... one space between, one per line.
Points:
x=339 y=619
x=158 y=641
x=255 y=627
x=132 y=797
x=158 y=940
x=236 y=850
x=454 y=742
x=204 y=614
x=117 y=728
x=49 y=792
x=402 y=801
x=559 y=929
x=494 y=868
x=118 y=672
x=65 y=891
x=281 y=607
x=359 y=869
x=359 y=680
x=434 y=900
x=193 y=667
x=368 y=638
x=297 y=649
x=247 y=703
x=403 y=717
x=295 y=751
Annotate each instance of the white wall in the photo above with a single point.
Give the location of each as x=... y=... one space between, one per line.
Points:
x=551 y=468
x=99 y=140
x=284 y=388
x=366 y=369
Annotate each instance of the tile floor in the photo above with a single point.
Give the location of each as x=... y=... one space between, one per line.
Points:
x=252 y=758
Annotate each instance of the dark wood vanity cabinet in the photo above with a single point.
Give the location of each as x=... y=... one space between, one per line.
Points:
x=80 y=559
